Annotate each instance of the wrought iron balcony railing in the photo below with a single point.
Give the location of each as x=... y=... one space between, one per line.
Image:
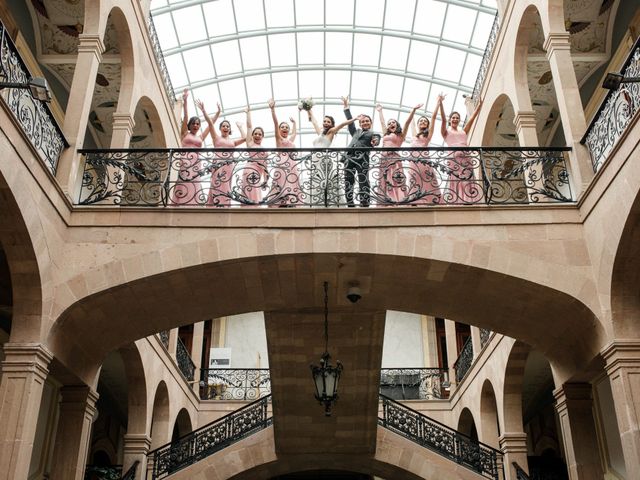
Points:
x=157 y=50
x=164 y=338
x=413 y=383
x=185 y=364
x=615 y=113
x=486 y=58
x=443 y=440
x=324 y=177
x=235 y=383
x=33 y=116
x=209 y=439
x=94 y=472
x=464 y=361
x=484 y=336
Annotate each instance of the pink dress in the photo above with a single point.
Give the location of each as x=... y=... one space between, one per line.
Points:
x=285 y=186
x=187 y=190
x=463 y=189
x=222 y=174
x=425 y=178
x=392 y=174
x=254 y=178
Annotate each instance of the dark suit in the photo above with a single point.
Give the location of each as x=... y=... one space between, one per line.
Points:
x=356 y=163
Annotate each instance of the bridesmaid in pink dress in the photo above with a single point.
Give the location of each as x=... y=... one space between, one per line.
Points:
x=220 y=192
x=465 y=190
x=285 y=187
x=425 y=178
x=392 y=176
x=254 y=172
x=187 y=190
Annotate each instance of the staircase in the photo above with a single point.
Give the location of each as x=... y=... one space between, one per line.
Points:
x=426 y=432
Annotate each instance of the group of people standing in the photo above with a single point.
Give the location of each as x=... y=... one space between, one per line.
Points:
x=282 y=184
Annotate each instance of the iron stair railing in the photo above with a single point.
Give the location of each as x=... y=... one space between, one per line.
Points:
x=435 y=436
x=211 y=438
x=520 y=473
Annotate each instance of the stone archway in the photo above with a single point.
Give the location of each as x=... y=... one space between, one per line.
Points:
x=160 y=421
x=489 y=422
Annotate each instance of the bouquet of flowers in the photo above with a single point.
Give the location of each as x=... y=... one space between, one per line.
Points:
x=305 y=104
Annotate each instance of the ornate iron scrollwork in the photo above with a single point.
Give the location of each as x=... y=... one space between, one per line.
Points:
x=412 y=383
x=157 y=50
x=464 y=361
x=185 y=364
x=235 y=383
x=486 y=58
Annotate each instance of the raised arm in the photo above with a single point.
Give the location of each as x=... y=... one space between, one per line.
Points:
x=472 y=119
x=185 y=113
x=200 y=105
x=294 y=130
x=443 y=117
x=212 y=128
x=314 y=122
x=272 y=107
x=383 y=124
x=247 y=110
x=347 y=113
x=432 y=125
x=336 y=129
x=243 y=135
x=409 y=121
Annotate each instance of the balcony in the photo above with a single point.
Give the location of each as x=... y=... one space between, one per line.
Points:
x=330 y=177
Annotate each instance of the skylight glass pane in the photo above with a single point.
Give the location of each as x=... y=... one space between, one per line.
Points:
x=458 y=25
x=363 y=86
x=389 y=89
x=415 y=92
x=254 y=53
x=339 y=12
x=369 y=13
x=365 y=49
x=158 y=3
x=279 y=13
x=338 y=47
x=189 y=25
x=176 y=70
x=219 y=17
x=471 y=70
x=249 y=15
x=309 y=12
x=285 y=85
x=209 y=95
x=311 y=83
x=282 y=49
x=422 y=57
x=394 y=53
x=199 y=63
x=226 y=55
x=232 y=93
x=429 y=17
x=336 y=83
x=483 y=30
x=166 y=32
x=310 y=48
x=449 y=64
x=258 y=88
x=399 y=16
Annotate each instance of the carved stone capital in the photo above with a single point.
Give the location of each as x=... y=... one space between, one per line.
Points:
x=622 y=353
x=27 y=358
x=136 y=443
x=524 y=119
x=556 y=42
x=123 y=121
x=513 y=442
x=91 y=43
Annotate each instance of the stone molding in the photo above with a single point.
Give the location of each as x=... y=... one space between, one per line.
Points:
x=91 y=43
x=136 y=443
x=624 y=353
x=123 y=121
x=513 y=442
x=524 y=119
x=557 y=41
x=26 y=358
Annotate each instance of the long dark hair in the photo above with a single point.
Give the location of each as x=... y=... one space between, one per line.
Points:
x=333 y=124
x=426 y=132
x=452 y=114
x=191 y=122
x=223 y=122
x=398 y=129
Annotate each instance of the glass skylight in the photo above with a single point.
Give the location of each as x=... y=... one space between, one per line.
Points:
x=398 y=53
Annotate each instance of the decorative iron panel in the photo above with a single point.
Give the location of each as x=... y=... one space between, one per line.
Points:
x=615 y=113
x=441 y=439
x=164 y=338
x=235 y=383
x=157 y=50
x=486 y=59
x=209 y=439
x=412 y=383
x=185 y=364
x=33 y=116
x=464 y=361
x=324 y=177
x=131 y=473
x=484 y=336
x=94 y=472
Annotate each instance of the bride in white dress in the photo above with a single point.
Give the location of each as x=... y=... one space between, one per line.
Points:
x=323 y=176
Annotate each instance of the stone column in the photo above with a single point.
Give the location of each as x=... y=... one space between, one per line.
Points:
x=476 y=342
x=429 y=341
x=24 y=371
x=123 y=124
x=574 y=407
x=574 y=125
x=622 y=359
x=196 y=353
x=525 y=123
x=136 y=447
x=173 y=342
x=90 y=49
x=77 y=410
x=514 y=448
x=452 y=350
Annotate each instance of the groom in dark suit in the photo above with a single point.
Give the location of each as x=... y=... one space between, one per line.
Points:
x=356 y=162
